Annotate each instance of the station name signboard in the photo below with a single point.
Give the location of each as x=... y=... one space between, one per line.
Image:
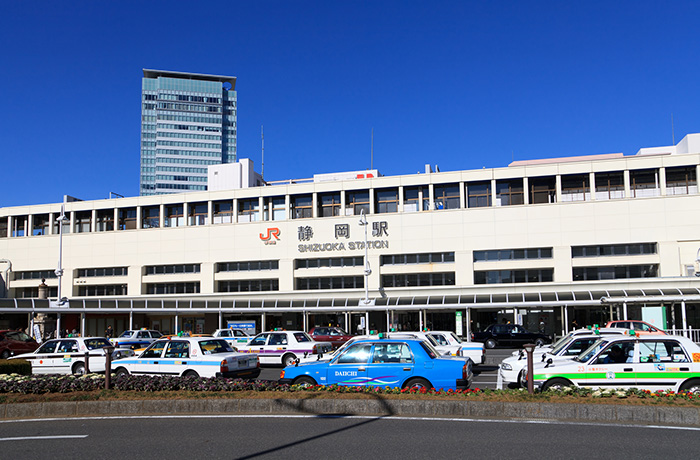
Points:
x=305 y=234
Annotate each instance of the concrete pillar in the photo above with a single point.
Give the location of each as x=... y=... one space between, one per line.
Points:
x=591 y=185
x=400 y=208
x=624 y=311
x=526 y=190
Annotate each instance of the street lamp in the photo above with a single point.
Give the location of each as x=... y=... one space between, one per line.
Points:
x=59 y=271
x=368 y=270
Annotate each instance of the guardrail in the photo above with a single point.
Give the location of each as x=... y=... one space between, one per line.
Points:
x=692 y=334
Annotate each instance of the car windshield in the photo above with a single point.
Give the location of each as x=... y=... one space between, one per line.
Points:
x=212 y=347
x=156 y=334
x=561 y=344
x=93 y=344
x=126 y=334
x=454 y=336
x=591 y=351
x=302 y=337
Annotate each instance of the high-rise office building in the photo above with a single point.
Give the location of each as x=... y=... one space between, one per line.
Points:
x=188 y=122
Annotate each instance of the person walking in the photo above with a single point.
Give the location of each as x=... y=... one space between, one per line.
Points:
x=109 y=333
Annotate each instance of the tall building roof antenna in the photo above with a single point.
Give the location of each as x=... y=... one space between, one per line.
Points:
x=262 y=167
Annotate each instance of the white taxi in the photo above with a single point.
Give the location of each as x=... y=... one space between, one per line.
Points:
x=648 y=363
x=191 y=356
x=235 y=336
x=284 y=347
x=512 y=369
x=475 y=350
x=67 y=356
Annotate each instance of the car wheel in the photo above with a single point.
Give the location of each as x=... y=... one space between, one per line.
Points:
x=78 y=369
x=190 y=374
x=305 y=380
x=418 y=384
x=490 y=343
x=121 y=371
x=556 y=384
x=539 y=342
x=5 y=354
x=692 y=386
x=288 y=359
x=522 y=381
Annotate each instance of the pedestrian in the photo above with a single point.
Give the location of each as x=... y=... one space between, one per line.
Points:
x=109 y=333
x=574 y=324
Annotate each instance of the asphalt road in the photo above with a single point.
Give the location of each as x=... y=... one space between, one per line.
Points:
x=485 y=375
x=304 y=437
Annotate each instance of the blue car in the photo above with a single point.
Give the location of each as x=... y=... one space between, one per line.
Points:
x=404 y=363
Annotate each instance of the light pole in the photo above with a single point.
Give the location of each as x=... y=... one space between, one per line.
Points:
x=368 y=270
x=61 y=301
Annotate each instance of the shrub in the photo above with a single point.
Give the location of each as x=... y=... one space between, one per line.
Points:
x=15 y=366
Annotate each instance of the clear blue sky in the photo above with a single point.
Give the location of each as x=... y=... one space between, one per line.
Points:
x=461 y=84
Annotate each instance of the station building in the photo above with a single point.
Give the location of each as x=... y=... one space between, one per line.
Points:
x=543 y=243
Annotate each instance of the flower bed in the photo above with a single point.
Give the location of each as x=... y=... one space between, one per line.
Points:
x=143 y=384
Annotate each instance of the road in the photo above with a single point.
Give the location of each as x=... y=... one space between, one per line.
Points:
x=485 y=375
x=312 y=436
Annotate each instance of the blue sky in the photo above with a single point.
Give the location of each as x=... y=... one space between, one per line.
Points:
x=460 y=84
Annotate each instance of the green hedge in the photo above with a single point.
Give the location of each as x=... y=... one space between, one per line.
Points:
x=15 y=366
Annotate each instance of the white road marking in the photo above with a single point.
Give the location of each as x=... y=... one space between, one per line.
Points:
x=34 y=438
x=356 y=417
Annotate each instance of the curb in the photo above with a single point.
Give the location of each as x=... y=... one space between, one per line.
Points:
x=607 y=413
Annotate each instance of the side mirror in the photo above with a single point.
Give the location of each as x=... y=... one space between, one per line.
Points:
x=549 y=362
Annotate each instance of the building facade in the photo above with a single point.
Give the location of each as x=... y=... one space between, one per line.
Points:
x=188 y=122
x=543 y=243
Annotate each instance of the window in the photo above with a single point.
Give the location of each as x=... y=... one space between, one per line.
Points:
x=355 y=354
x=609 y=186
x=416 y=199
x=81 y=221
x=19 y=226
x=251 y=265
x=3 y=227
x=302 y=206
x=279 y=210
x=34 y=275
x=127 y=219
x=249 y=210
x=174 y=216
x=512 y=254
x=260 y=285
x=329 y=204
x=104 y=220
x=404 y=259
x=509 y=192
x=356 y=202
x=178 y=350
x=223 y=212
x=150 y=217
x=542 y=190
x=541 y=275
x=446 y=196
x=65 y=228
x=387 y=200
x=419 y=279
x=681 y=181
x=198 y=214
x=40 y=225
x=478 y=194
x=644 y=183
x=615 y=272
x=575 y=187
x=155 y=350
x=392 y=353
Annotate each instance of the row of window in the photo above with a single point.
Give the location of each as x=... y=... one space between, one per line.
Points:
x=252 y=265
x=180 y=169
x=249 y=285
x=173 y=288
x=106 y=271
x=602 y=250
x=419 y=279
x=190 y=118
x=335 y=282
x=537 y=275
x=329 y=262
x=192 y=153
x=181 y=98
x=162 y=177
x=102 y=290
x=615 y=272
x=171 y=269
x=207 y=137
x=208 y=129
x=425 y=258
x=513 y=254
x=198 y=145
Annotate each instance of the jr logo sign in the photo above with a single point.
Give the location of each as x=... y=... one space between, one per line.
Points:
x=273 y=232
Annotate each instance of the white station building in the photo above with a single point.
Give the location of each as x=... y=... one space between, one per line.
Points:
x=543 y=243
